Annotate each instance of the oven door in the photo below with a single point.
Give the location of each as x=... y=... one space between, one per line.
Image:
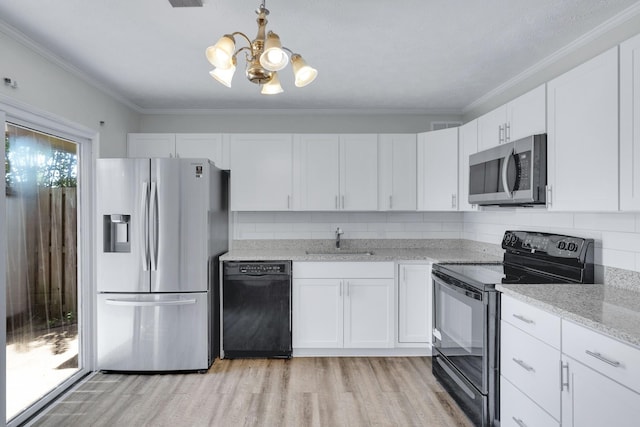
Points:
x=460 y=323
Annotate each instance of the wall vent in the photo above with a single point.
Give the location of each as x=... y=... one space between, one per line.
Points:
x=444 y=125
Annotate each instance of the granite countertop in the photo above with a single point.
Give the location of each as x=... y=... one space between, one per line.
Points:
x=430 y=251
x=612 y=310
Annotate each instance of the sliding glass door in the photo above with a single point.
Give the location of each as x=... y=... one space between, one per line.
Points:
x=43 y=344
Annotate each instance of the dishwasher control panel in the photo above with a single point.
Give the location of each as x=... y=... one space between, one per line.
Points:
x=255 y=268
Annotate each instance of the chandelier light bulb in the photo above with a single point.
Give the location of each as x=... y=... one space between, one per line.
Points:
x=225 y=75
x=303 y=73
x=220 y=54
x=274 y=58
x=272 y=87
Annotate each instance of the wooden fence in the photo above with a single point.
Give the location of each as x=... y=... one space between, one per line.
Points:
x=42 y=258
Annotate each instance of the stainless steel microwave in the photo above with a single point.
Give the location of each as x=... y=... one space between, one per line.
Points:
x=514 y=173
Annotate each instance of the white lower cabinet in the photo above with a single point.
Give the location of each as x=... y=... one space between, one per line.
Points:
x=590 y=380
x=414 y=303
x=530 y=364
x=590 y=398
x=317 y=313
x=343 y=305
x=517 y=410
x=601 y=379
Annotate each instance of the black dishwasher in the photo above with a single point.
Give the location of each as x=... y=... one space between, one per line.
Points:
x=256 y=309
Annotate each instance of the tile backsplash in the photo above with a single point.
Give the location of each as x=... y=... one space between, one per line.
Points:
x=355 y=225
x=617 y=235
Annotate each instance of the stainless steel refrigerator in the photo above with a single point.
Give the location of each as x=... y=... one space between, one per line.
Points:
x=162 y=223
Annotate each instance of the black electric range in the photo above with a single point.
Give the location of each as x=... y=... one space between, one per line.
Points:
x=466 y=311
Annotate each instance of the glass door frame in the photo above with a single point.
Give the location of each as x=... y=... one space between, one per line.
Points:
x=87 y=140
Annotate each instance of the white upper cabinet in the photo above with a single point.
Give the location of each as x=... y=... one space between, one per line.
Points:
x=208 y=145
x=359 y=172
x=317 y=171
x=522 y=117
x=582 y=143
x=336 y=172
x=527 y=115
x=630 y=125
x=261 y=170
x=397 y=172
x=438 y=170
x=491 y=128
x=186 y=145
x=151 y=145
x=467 y=145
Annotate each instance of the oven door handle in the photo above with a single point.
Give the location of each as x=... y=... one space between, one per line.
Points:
x=477 y=295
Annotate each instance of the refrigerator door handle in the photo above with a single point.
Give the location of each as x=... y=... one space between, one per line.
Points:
x=144 y=229
x=154 y=226
x=136 y=303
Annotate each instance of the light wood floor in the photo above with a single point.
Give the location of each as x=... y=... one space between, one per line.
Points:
x=397 y=391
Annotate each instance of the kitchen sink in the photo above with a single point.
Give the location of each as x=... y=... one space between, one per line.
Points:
x=339 y=252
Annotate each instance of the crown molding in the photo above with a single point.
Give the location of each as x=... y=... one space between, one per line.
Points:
x=616 y=21
x=21 y=38
x=303 y=111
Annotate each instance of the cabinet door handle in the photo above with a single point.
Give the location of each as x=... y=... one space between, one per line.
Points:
x=343 y=201
x=500 y=134
x=288 y=201
x=519 y=422
x=340 y=291
x=337 y=202
x=524 y=365
x=600 y=357
x=523 y=319
x=390 y=202
x=507 y=132
x=564 y=367
x=453 y=201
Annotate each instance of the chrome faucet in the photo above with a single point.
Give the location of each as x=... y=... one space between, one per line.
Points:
x=339 y=232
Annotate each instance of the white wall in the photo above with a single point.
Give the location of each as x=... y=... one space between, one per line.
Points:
x=617 y=235
x=330 y=121
x=45 y=85
x=366 y=225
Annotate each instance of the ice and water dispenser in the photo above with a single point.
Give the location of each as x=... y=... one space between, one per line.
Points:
x=117 y=233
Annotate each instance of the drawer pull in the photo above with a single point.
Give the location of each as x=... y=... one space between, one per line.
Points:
x=600 y=357
x=519 y=422
x=524 y=319
x=524 y=365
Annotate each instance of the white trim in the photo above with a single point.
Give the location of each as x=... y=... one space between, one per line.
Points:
x=619 y=19
x=88 y=141
x=23 y=112
x=360 y=352
x=21 y=38
x=3 y=288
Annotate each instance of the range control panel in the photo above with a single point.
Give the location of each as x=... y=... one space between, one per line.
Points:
x=555 y=245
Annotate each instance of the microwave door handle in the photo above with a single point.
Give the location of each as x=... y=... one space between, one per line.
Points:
x=505 y=169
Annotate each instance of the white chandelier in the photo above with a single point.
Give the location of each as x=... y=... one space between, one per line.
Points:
x=265 y=56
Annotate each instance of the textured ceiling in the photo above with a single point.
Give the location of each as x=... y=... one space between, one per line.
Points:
x=374 y=54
